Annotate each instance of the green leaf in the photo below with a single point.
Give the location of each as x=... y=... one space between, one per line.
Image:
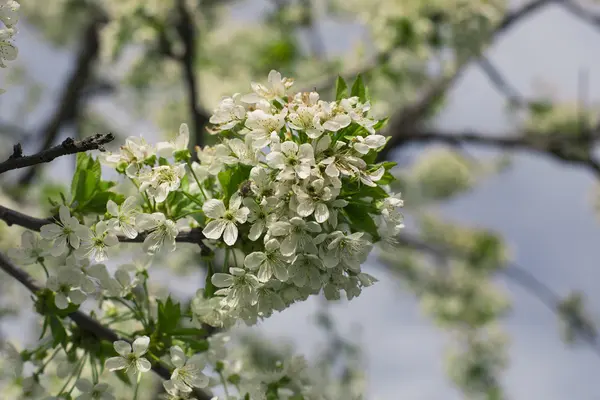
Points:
x=169 y=315
x=86 y=178
x=197 y=346
x=341 y=88
x=382 y=123
x=232 y=178
x=358 y=89
x=97 y=204
x=59 y=334
x=163 y=161
x=360 y=220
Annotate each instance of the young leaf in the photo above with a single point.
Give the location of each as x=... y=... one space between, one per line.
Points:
x=169 y=314
x=358 y=89
x=341 y=88
x=59 y=334
x=86 y=178
x=361 y=220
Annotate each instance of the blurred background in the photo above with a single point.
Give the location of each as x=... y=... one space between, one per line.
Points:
x=491 y=291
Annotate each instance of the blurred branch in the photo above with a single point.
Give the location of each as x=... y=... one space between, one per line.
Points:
x=515 y=273
x=68 y=103
x=579 y=11
x=408 y=118
x=68 y=146
x=14 y=131
x=186 y=29
x=501 y=84
x=84 y=321
x=557 y=145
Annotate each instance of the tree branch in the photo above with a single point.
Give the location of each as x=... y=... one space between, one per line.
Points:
x=186 y=29
x=501 y=84
x=513 y=272
x=557 y=145
x=82 y=320
x=12 y=217
x=68 y=103
x=68 y=146
x=408 y=118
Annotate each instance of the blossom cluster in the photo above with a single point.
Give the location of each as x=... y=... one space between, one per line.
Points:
x=9 y=17
x=289 y=204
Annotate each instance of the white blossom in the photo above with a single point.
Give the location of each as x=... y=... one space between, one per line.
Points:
x=123 y=216
x=239 y=287
x=275 y=88
x=188 y=372
x=228 y=113
x=268 y=263
x=161 y=232
x=130 y=356
x=263 y=125
x=89 y=391
x=180 y=143
x=65 y=286
x=260 y=215
x=298 y=235
x=95 y=242
x=292 y=161
x=67 y=231
x=224 y=221
x=162 y=180
x=32 y=249
x=364 y=144
x=132 y=155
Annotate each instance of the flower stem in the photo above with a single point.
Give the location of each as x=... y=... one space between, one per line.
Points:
x=41 y=368
x=197 y=180
x=77 y=371
x=192 y=198
x=137 y=386
x=224 y=383
x=44 y=267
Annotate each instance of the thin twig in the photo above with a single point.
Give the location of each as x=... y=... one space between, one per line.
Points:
x=68 y=146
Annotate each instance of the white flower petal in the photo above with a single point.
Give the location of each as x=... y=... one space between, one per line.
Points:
x=122 y=347
x=140 y=345
x=116 y=363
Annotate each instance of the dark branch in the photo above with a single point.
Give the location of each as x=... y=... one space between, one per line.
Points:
x=577 y=10
x=68 y=103
x=83 y=321
x=501 y=84
x=409 y=117
x=68 y=146
x=567 y=148
x=12 y=217
x=511 y=271
x=186 y=29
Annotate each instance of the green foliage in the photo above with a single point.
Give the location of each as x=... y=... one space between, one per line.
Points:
x=341 y=88
x=359 y=89
x=169 y=314
x=231 y=179
x=89 y=193
x=360 y=220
